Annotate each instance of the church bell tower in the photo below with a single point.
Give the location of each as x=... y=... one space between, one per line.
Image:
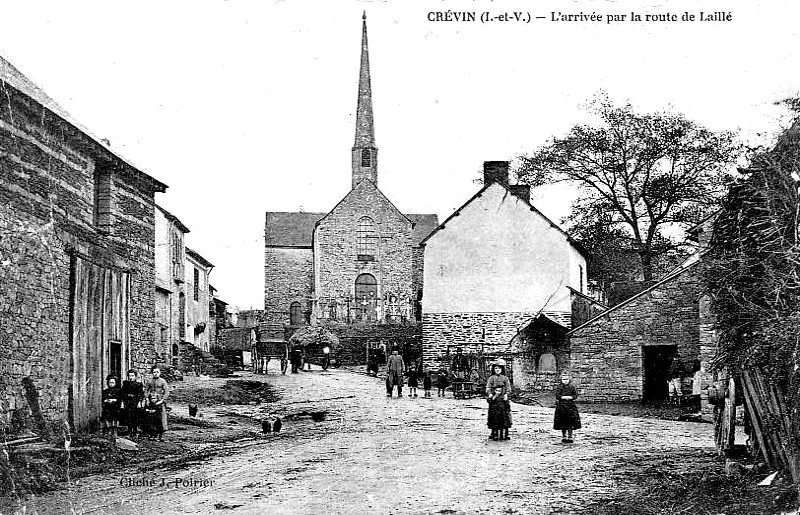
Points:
x=365 y=153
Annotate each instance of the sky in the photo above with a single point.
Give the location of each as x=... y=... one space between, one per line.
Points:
x=243 y=107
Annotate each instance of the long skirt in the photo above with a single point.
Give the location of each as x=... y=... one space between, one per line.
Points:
x=156 y=416
x=499 y=415
x=566 y=416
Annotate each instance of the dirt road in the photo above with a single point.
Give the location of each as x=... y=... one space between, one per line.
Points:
x=386 y=456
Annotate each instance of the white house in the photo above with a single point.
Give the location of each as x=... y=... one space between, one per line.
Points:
x=492 y=267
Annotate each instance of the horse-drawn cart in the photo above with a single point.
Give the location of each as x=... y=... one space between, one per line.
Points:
x=316 y=344
x=268 y=350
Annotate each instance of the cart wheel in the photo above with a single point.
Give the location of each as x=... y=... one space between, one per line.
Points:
x=326 y=363
x=284 y=363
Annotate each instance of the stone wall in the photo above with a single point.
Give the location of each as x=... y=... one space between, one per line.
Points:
x=354 y=340
x=491 y=332
x=606 y=354
x=337 y=265
x=49 y=172
x=288 y=274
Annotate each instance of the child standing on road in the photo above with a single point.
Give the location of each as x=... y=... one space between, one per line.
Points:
x=498 y=420
x=566 y=416
x=427 y=383
x=441 y=382
x=413 y=382
x=499 y=381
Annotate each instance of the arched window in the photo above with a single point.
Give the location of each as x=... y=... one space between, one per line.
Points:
x=366 y=297
x=295 y=314
x=366 y=238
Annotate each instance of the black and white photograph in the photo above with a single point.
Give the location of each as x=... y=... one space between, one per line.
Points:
x=400 y=257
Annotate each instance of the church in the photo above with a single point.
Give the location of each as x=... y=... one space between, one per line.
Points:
x=359 y=263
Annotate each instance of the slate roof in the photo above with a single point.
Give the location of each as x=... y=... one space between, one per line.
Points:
x=11 y=76
x=423 y=226
x=296 y=229
x=290 y=229
x=197 y=257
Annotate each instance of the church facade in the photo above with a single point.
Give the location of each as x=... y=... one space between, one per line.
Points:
x=361 y=262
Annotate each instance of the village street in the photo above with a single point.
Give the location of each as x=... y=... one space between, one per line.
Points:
x=378 y=455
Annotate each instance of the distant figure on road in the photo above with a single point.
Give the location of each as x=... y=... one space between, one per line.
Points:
x=566 y=417
x=441 y=382
x=460 y=366
x=413 y=382
x=427 y=383
x=394 y=374
x=296 y=359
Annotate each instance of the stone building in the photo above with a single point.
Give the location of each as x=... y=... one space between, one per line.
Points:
x=361 y=262
x=493 y=267
x=170 y=279
x=77 y=273
x=628 y=351
x=198 y=298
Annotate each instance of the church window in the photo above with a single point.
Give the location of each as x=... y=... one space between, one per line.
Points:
x=295 y=314
x=365 y=239
x=366 y=158
x=366 y=298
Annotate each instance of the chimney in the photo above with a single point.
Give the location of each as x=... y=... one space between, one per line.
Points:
x=495 y=171
x=522 y=191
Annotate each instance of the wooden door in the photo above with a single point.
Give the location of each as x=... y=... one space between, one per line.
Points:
x=99 y=342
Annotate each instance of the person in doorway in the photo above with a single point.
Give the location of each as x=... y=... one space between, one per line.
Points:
x=132 y=402
x=427 y=383
x=394 y=374
x=112 y=399
x=566 y=417
x=498 y=379
x=157 y=392
x=675 y=382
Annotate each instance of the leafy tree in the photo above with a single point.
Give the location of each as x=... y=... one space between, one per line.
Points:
x=636 y=175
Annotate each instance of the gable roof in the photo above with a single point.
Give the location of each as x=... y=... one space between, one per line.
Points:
x=174 y=219
x=367 y=182
x=527 y=202
x=10 y=75
x=423 y=226
x=290 y=229
x=197 y=257
x=680 y=269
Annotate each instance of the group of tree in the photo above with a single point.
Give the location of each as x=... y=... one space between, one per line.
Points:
x=636 y=176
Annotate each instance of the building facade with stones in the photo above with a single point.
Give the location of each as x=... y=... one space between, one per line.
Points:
x=198 y=298
x=77 y=264
x=361 y=262
x=491 y=267
x=170 y=262
x=629 y=351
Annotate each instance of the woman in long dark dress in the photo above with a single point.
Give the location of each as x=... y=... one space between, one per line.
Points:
x=112 y=399
x=566 y=417
x=132 y=402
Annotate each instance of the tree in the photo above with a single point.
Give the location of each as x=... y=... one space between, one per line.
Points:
x=636 y=175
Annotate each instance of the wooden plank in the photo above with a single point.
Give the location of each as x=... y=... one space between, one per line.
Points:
x=79 y=339
x=752 y=405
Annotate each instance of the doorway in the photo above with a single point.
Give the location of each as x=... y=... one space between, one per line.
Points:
x=656 y=363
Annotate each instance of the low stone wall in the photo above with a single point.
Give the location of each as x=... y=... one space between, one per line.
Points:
x=354 y=340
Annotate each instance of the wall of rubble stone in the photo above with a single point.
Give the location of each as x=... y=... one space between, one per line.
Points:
x=606 y=353
x=289 y=274
x=48 y=176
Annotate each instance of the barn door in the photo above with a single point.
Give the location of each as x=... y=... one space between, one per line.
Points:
x=99 y=341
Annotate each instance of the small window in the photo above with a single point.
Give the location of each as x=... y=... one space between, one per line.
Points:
x=580 y=285
x=365 y=239
x=196 y=284
x=102 y=200
x=366 y=158
x=295 y=315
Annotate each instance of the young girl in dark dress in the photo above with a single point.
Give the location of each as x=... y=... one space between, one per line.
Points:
x=566 y=417
x=441 y=382
x=413 y=382
x=112 y=398
x=132 y=402
x=498 y=420
x=499 y=380
x=427 y=383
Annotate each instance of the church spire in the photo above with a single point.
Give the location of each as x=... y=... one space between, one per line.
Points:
x=365 y=153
